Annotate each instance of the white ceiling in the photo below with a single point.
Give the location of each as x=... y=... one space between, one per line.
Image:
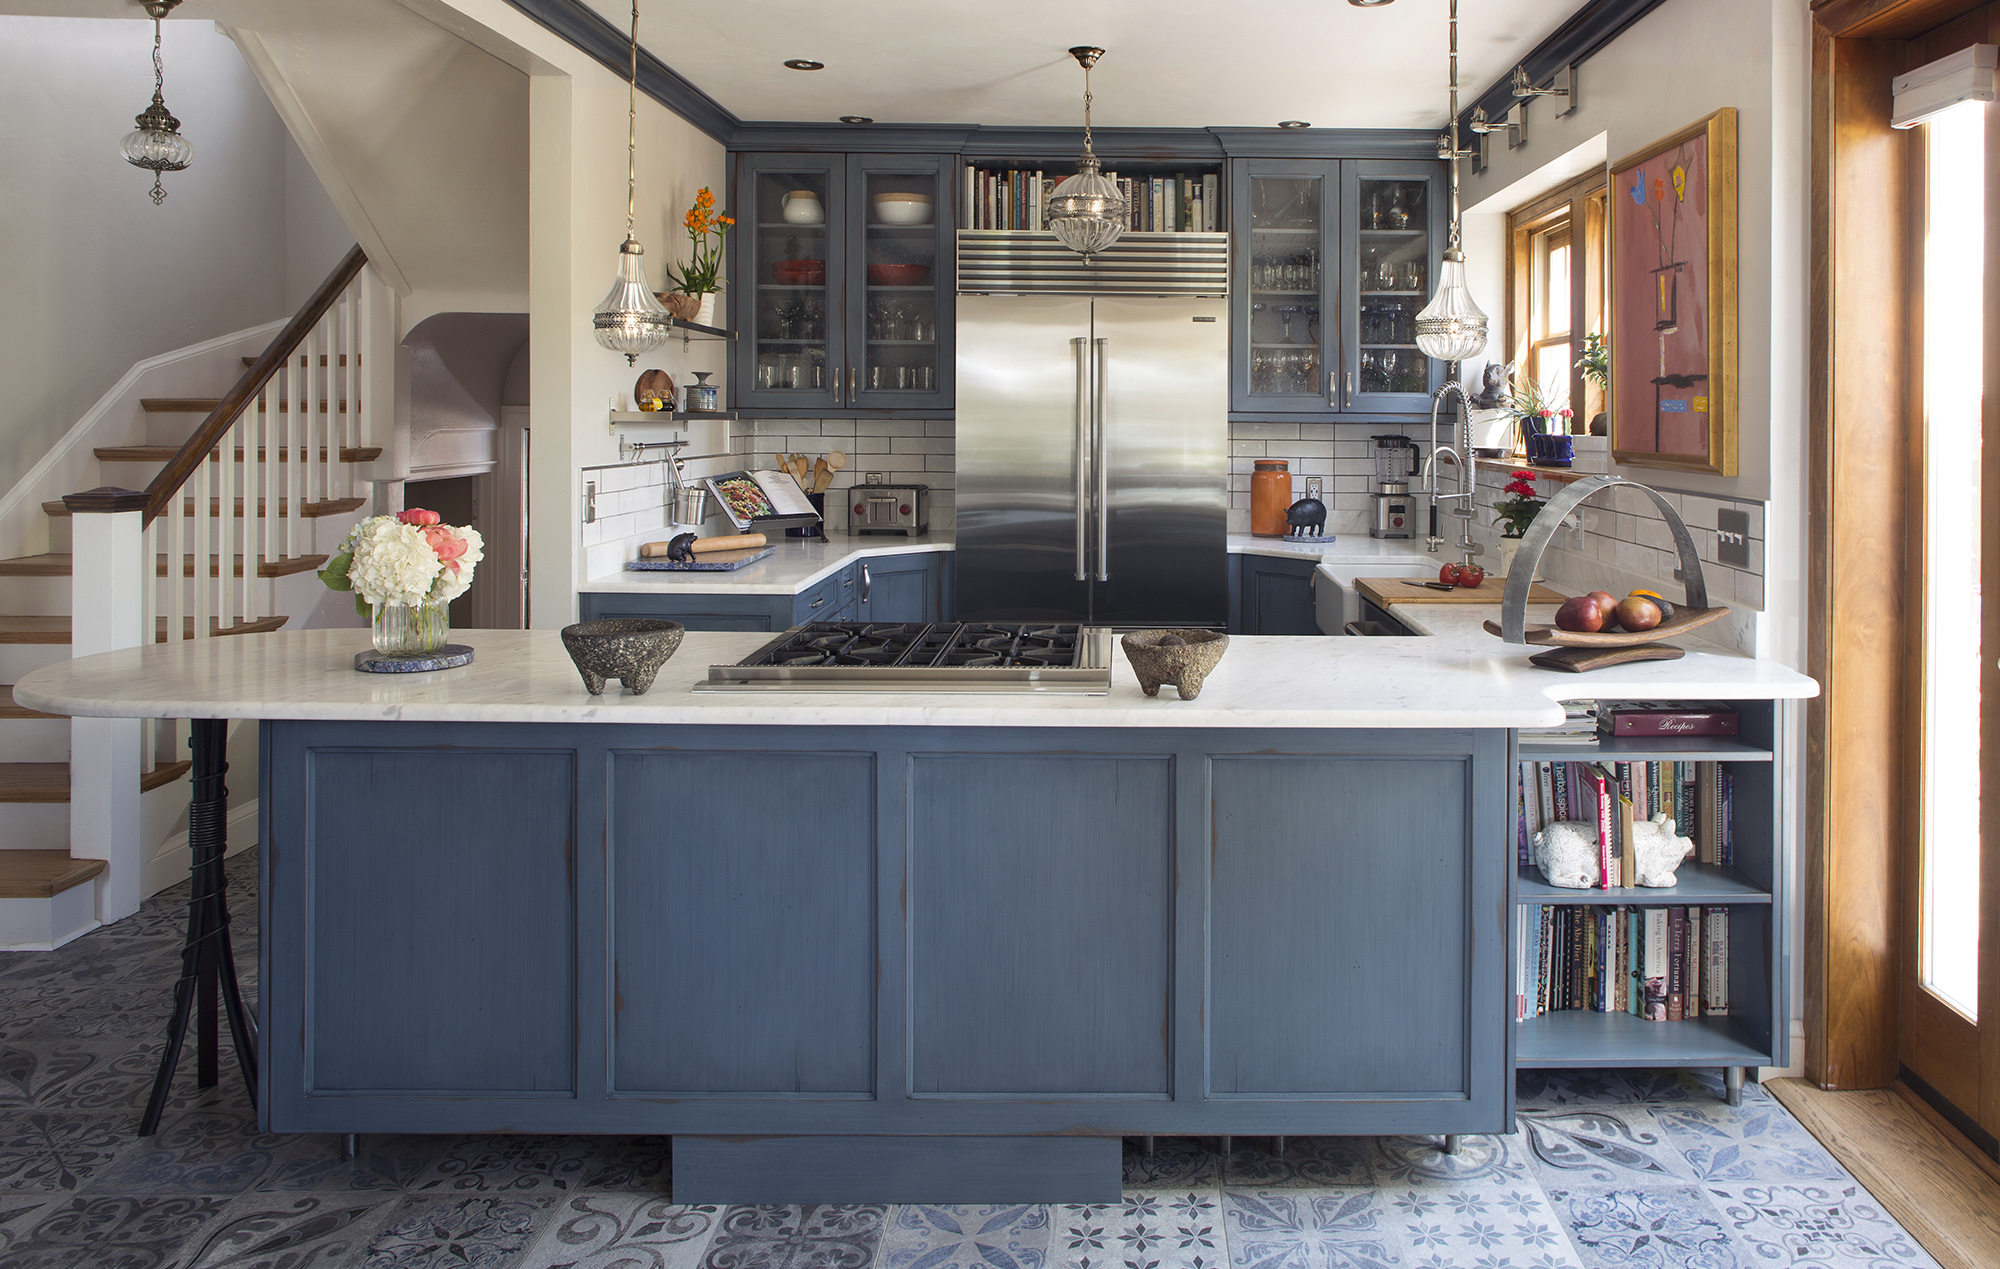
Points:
x=1168 y=63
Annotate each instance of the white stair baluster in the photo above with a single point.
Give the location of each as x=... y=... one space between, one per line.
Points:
x=203 y=490
x=225 y=470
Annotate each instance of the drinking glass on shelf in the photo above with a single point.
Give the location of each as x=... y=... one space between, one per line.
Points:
x=1369 y=256
x=1286 y=312
x=1387 y=361
x=874 y=376
x=1256 y=311
x=1385 y=275
x=926 y=377
x=767 y=373
x=1413 y=276
x=1367 y=370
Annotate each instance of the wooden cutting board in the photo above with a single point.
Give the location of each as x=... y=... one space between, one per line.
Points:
x=1396 y=590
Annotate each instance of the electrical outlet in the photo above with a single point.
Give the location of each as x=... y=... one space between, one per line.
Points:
x=1314 y=484
x=1732 y=538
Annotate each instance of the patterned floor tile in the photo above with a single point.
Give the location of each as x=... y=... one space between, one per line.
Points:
x=1256 y=1162
x=1540 y=1089
x=18 y=1212
x=34 y=1073
x=934 y=1236
x=1757 y=1141
x=286 y=1231
x=1403 y=1161
x=809 y=1236
x=1484 y=1223
x=537 y=1164
x=1174 y=1163
x=212 y=1150
x=1148 y=1229
x=1309 y=1229
x=125 y=1082
x=1667 y=1226
x=624 y=1231
x=1602 y=1145
x=58 y=1151
x=58 y=1011
x=1836 y=1226
x=382 y=1163
x=457 y=1232
x=146 y=1232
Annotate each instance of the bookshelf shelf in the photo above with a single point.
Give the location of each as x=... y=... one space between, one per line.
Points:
x=1700 y=884
x=1645 y=749
x=1575 y=1038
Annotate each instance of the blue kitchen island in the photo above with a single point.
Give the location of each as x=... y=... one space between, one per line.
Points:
x=867 y=947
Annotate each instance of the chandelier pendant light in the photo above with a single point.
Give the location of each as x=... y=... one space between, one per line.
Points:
x=157 y=144
x=1452 y=327
x=1086 y=211
x=631 y=320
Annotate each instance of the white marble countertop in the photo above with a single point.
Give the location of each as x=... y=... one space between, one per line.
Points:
x=796 y=563
x=1460 y=676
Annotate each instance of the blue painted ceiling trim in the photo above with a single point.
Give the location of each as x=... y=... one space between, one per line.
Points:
x=584 y=28
x=1589 y=29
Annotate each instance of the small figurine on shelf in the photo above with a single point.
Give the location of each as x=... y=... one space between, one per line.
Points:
x=1307 y=518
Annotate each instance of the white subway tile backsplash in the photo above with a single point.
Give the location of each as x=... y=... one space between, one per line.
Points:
x=1265 y=431
x=1247 y=449
x=940 y=427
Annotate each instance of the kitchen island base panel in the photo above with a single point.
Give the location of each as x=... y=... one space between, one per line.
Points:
x=898 y=1169
x=883 y=932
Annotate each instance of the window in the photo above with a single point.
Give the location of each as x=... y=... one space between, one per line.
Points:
x=1555 y=292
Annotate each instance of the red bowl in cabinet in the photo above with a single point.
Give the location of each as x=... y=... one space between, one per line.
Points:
x=882 y=274
x=799 y=272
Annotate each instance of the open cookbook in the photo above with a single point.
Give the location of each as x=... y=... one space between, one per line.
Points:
x=758 y=500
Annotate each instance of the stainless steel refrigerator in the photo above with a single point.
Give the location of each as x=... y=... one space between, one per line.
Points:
x=1093 y=469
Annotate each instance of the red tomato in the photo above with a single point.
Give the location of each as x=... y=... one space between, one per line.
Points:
x=1470 y=575
x=1449 y=574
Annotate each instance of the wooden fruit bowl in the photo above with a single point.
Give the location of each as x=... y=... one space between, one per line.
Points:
x=1683 y=620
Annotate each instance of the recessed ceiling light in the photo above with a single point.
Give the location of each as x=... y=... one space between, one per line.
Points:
x=1370 y=4
x=856 y=119
x=1293 y=123
x=801 y=64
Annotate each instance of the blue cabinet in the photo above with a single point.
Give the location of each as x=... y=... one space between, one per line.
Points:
x=877 y=588
x=1276 y=596
x=903 y=587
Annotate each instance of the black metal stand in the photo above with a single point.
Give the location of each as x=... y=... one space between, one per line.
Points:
x=208 y=966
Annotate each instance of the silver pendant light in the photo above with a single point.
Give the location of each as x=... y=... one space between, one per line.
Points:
x=157 y=144
x=1086 y=211
x=1452 y=327
x=631 y=320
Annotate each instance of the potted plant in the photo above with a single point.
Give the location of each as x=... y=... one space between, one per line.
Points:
x=1536 y=413
x=1514 y=514
x=1596 y=366
x=696 y=284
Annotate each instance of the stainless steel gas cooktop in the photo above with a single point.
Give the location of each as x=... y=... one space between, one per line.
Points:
x=849 y=656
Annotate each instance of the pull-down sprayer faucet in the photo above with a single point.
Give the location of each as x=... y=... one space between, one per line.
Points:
x=1461 y=455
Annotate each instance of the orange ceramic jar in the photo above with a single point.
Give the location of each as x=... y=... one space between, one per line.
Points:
x=1270 y=497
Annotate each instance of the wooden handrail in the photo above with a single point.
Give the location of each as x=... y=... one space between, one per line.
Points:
x=160 y=493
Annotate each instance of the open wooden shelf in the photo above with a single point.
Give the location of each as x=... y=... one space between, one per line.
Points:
x=1698 y=885
x=1644 y=749
x=1579 y=1038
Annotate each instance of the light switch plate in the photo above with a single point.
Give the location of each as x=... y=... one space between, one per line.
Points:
x=1732 y=538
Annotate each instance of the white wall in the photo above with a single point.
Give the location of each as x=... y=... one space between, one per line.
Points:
x=96 y=277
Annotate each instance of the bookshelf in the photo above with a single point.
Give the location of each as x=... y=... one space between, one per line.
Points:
x=1009 y=194
x=1754 y=888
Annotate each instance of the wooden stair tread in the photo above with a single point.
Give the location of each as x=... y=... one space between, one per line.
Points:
x=284 y=566
x=49 y=781
x=206 y=405
x=165 y=453
x=8 y=709
x=43 y=874
x=261 y=625
x=48 y=564
x=34 y=629
x=310 y=510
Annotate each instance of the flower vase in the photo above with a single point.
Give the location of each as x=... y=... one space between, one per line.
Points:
x=403 y=630
x=1509 y=548
x=705 y=315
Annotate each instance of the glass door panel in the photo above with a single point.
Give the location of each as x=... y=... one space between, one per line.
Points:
x=1392 y=257
x=1285 y=213
x=900 y=248
x=788 y=308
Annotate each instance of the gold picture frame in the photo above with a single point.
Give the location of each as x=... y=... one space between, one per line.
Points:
x=1672 y=300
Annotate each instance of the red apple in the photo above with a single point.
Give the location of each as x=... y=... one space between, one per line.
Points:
x=1580 y=614
x=1605 y=600
x=1636 y=612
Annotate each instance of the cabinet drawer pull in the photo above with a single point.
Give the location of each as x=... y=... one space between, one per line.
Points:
x=817 y=602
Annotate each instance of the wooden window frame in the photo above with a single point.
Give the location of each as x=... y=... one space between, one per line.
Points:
x=1581 y=205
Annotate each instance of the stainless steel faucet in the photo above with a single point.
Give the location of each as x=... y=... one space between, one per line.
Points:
x=1461 y=454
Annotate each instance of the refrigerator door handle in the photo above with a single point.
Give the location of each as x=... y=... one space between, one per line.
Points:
x=1100 y=460
x=1082 y=425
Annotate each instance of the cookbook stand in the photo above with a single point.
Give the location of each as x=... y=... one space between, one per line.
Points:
x=1579 y=651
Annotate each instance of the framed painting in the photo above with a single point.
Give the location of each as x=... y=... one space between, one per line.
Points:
x=1673 y=300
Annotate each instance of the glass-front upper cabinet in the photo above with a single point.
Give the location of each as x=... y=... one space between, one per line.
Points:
x=784 y=284
x=1286 y=335
x=1396 y=225
x=900 y=282
x=842 y=284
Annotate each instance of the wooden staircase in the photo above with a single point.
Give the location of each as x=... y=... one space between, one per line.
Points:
x=241 y=491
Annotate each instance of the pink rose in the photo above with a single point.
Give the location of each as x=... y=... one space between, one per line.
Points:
x=448 y=545
x=418 y=516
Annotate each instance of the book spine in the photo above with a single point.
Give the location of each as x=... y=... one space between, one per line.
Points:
x=1577 y=958
x=1559 y=771
x=1621 y=961
x=1715 y=974
x=1708 y=811
x=1684 y=809
x=1187 y=221
x=1635 y=961
x=1676 y=957
x=1545 y=777
x=1652 y=789
x=1542 y=963
x=1211 y=203
x=1691 y=972
x=1655 y=976
x=1520 y=817
x=1727 y=850
x=1600 y=800
x=1672 y=724
x=1041 y=198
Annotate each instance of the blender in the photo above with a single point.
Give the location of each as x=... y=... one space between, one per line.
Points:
x=1395 y=511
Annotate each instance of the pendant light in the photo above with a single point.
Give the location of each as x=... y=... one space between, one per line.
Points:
x=1086 y=211
x=1452 y=327
x=631 y=320
x=157 y=144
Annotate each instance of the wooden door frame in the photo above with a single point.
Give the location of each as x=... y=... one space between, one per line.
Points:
x=1859 y=819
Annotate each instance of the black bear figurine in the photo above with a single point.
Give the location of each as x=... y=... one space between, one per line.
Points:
x=1307 y=517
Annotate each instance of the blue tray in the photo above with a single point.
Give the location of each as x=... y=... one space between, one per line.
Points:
x=720 y=562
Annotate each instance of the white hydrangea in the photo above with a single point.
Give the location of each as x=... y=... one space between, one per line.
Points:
x=393 y=564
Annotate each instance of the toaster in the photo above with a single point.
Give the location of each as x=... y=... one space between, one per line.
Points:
x=882 y=508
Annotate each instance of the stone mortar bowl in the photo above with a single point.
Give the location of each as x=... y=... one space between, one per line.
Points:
x=1180 y=657
x=629 y=649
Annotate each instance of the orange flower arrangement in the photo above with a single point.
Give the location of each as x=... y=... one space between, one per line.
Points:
x=702 y=273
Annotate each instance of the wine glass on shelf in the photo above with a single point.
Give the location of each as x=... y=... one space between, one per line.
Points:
x=1256 y=311
x=1388 y=361
x=1367 y=370
x=1413 y=276
x=1286 y=312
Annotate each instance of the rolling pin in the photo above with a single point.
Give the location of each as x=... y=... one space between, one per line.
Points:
x=706 y=546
